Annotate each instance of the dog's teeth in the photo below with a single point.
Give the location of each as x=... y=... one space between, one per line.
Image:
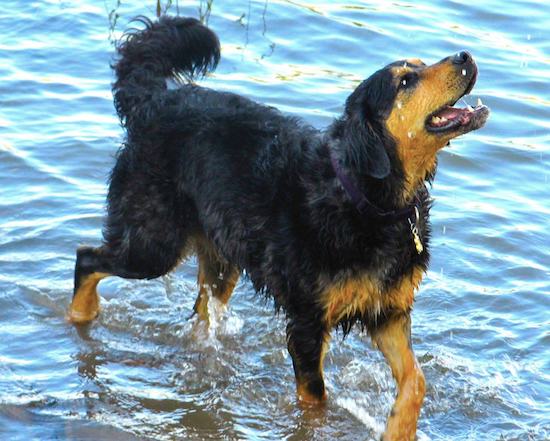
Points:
x=470 y=109
x=443 y=119
x=436 y=119
x=464 y=72
x=479 y=103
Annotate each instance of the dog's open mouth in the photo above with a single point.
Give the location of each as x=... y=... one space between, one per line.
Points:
x=450 y=118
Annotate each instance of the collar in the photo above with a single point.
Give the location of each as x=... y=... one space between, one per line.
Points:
x=367 y=208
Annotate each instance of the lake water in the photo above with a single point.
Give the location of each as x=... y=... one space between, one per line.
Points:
x=142 y=370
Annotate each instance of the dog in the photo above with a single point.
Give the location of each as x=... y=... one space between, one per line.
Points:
x=332 y=225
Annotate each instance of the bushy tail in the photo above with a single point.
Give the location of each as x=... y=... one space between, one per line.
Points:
x=171 y=47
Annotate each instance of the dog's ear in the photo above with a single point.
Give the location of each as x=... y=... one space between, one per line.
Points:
x=368 y=149
x=378 y=162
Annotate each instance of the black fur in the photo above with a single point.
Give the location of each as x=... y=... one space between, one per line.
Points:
x=257 y=184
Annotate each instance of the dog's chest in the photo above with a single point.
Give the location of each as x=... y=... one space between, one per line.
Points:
x=362 y=296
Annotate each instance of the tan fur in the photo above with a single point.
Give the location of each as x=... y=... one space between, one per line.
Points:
x=362 y=295
x=417 y=148
x=215 y=278
x=302 y=389
x=85 y=304
x=393 y=340
x=305 y=396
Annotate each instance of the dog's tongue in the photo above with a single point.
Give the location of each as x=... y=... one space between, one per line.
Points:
x=452 y=116
x=451 y=112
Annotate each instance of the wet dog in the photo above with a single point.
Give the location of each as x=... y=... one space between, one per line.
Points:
x=333 y=224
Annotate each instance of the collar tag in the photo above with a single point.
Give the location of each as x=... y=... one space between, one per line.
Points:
x=414 y=231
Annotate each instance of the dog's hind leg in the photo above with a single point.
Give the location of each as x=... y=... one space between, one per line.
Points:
x=216 y=278
x=89 y=270
x=307 y=341
x=133 y=249
x=94 y=264
x=393 y=338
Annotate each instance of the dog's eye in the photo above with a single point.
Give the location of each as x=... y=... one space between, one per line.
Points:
x=408 y=80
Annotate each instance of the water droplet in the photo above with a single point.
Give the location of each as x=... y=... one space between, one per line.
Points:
x=399 y=104
x=410 y=134
x=528 y=36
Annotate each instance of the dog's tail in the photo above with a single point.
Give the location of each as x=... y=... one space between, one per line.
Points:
x=172 y=47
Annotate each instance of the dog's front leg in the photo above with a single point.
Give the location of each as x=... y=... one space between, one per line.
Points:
x=307 y=341
x=393 y=338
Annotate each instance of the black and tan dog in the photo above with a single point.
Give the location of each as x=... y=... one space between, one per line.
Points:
x=333 y=225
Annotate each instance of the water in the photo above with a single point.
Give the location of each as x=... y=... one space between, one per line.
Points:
x=142 y=370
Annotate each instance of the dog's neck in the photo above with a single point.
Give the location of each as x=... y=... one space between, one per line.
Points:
x=348 y=160
x=391 y=193
x=361 y=200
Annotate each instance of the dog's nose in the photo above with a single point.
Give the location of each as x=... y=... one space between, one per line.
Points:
x=462 y=58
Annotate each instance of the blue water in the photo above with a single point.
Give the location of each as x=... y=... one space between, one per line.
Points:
x=142 y=370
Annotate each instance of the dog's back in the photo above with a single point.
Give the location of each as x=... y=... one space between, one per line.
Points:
x=196 y=159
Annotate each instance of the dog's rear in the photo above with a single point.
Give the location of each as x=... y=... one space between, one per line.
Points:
x=148 y=224
x=171 y=190
x=173 y=47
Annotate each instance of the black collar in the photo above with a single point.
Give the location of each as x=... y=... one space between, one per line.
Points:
x=367 y=208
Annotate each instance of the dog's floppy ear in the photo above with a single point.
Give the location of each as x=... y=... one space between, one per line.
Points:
x=378 y=161
x=367 y=149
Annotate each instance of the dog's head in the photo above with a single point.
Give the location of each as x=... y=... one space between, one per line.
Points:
x=411 y=105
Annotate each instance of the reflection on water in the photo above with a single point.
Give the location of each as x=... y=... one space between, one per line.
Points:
x=144 y=370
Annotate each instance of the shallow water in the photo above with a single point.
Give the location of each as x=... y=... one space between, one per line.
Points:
x=142 y=370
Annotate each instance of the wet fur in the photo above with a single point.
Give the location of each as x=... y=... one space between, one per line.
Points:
x=257 y=189
x=255 y=182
